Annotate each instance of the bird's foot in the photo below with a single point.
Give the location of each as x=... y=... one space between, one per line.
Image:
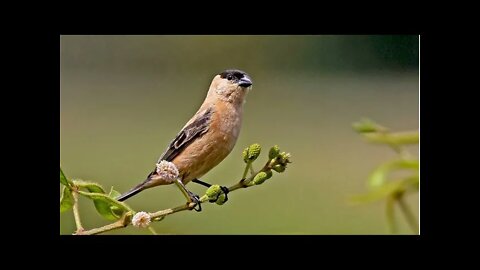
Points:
x=225 y=191
x=223 y=188
x=194 y=198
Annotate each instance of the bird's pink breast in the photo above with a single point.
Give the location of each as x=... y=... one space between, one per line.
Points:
x=212 y=147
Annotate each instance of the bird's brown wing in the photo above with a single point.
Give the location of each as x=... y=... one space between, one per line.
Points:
x=187 y=135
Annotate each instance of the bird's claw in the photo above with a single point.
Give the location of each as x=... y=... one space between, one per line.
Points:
x=196 y=200
x=225 y=191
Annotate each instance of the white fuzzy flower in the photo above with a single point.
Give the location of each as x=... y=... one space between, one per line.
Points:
x=167 y=170
x=141 y=219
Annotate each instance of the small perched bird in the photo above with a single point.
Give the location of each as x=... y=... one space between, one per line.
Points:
x=206 y=139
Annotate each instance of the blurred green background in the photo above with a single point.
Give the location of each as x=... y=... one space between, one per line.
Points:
x=124 y=98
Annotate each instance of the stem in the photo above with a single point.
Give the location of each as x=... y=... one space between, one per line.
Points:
x=105 y=228
x=243 y=183
x=150 y=228
x=397 y=138
x=390 y=212
x=411 y=220
x=76 y=213
x=401 y=151
x=166 y=212
x=251 y=170
x=121 y=223
x=246 y=169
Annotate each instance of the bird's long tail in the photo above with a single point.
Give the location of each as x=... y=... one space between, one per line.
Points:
x=131 y=192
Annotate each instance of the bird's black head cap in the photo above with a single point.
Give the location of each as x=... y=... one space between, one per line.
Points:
x=236 y=75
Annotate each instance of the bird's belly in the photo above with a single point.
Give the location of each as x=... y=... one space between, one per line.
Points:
x=204 y=154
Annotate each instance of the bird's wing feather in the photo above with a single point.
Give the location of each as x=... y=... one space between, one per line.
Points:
x=187 y=135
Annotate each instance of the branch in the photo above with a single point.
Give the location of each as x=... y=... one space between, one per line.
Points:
x=76 y=213
x=277 y=162
x=411 y=220
x=390 y=213
x=121 y=223
x=160 y=215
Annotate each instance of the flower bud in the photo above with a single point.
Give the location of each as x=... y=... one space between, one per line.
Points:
x=279 y=168
x=254 y=151
x=261 y=177
x=245 y=155
x=274 y=151
x=167 y=170
x=213 y=191
x=141 y=220
x=221 y=199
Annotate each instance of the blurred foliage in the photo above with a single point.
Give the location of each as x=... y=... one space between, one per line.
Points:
x=383 y=188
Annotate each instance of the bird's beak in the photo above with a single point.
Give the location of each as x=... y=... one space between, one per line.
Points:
x=245 y=81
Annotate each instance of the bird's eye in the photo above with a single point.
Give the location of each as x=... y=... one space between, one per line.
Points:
x=229 y=77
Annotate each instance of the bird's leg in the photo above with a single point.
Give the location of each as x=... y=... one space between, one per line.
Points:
x=223 y=188
x=191 y=197
x=200 y=182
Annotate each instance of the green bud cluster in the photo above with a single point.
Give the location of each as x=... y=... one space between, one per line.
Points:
x=261 y=177
x=274 y=151
x=221 y=199
x=251 y=153
x=278 y=160
x=279 y=168
x=213 y=191
x=215 y=194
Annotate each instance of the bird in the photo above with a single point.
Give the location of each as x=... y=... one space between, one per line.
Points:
x=205 y=140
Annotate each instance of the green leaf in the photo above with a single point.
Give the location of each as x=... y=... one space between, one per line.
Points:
x=107 y=207
x=106 y=204
x=66 y=200
x=90 y=186
x=114 y=194
x=64 y=179
x=387 y=189
x=115 y=209
x=102 y=206
x=379 y=175
x=399 y=138
x=379 y=193
x=366 y=126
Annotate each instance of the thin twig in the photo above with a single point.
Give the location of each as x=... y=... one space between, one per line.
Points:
x=249 y=163
x=166 y=212
x=121 y=223
x=390 y=212
x=76 y=213
x=152 y=230
x=411 y=220
x=252 y=171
